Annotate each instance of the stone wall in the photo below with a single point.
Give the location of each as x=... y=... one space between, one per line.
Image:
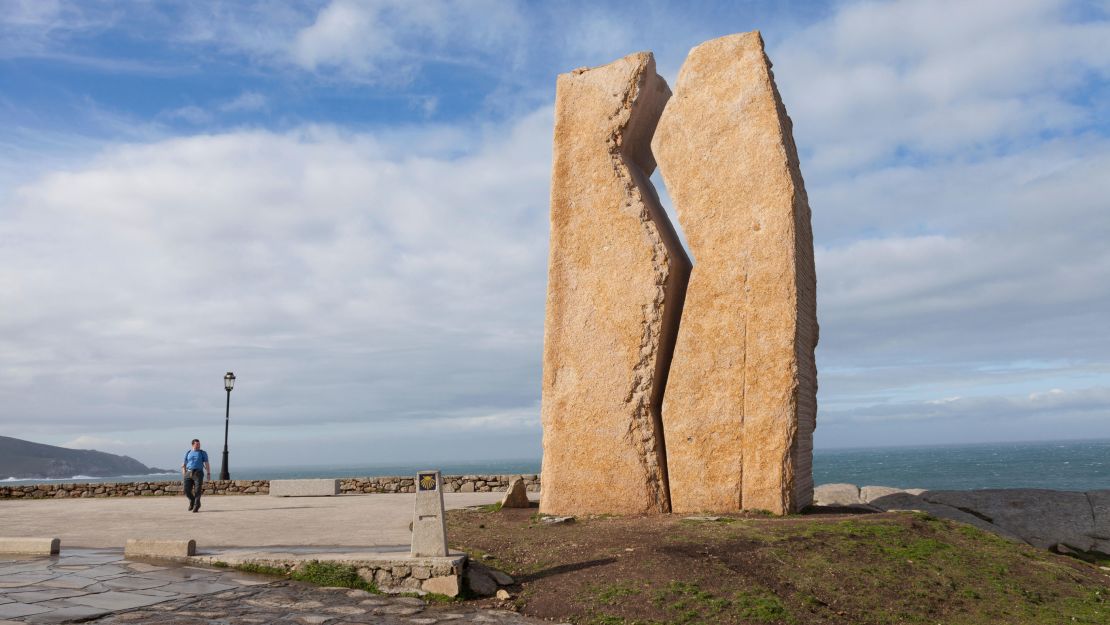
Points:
x=451 y=484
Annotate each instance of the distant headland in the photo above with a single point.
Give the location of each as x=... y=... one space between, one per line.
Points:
x=27 y=460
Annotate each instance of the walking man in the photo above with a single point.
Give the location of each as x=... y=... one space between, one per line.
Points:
x=193 y=471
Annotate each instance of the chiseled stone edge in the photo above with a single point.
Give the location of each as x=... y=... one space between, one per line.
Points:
x=625 y=134
x=30 y=546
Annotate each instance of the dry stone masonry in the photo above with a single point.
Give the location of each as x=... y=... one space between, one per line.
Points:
x=742 y=395
x=347 y=486
x=616 y=277
x=734 y=429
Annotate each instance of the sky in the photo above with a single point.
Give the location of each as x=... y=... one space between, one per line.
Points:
x=346 y=203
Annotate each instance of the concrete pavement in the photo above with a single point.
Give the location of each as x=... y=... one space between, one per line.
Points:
x=378 y=521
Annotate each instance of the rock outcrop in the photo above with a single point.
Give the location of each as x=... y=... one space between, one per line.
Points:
x=740 y=405
x=616 y=281
x=1049 y=519
x=516 y=496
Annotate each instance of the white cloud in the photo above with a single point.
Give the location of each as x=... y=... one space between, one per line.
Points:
x=335 y=273
x=936 y=78
x=245 y=102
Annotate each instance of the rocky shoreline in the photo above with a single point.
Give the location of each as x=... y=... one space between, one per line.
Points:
x=1064 y=521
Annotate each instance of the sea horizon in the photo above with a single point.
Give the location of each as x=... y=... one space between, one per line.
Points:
x=1057 y=465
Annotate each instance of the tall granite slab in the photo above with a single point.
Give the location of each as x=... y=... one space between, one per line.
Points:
x=740 y=405
x=616 y=279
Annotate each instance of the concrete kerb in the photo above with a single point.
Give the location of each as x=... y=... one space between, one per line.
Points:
x=31 y=546
x=159 y=549
x=390 y=572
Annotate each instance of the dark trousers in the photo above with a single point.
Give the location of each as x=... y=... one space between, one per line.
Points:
x=194 y=485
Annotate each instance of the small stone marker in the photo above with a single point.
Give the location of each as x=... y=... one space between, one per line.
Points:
x=429 y=525
x=31 y=546
x=149 y=548
x=517 y=494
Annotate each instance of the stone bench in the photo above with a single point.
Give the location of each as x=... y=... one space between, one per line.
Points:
x=304 y=488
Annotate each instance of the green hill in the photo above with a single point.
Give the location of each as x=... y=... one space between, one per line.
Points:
x=24 y=459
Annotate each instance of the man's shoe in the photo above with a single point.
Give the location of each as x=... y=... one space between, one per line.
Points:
x=190 y=507
x=196 y=508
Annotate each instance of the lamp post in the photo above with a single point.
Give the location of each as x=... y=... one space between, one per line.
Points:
x=229 y=383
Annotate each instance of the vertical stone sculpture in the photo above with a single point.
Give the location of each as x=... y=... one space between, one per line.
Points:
x=616 y=279
x=741 y=400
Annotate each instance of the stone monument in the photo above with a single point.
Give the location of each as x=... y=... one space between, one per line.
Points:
x=429 y=524
x=616 y=277
x=741 y=400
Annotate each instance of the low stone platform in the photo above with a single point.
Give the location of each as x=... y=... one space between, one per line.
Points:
x=392 y=572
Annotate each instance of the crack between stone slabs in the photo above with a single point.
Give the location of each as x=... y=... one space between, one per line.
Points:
x=1094 y=519
x=974 y=513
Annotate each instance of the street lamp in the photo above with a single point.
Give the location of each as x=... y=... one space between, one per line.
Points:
x=229 y=383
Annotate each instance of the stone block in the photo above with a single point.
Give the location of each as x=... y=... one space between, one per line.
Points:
x=304 y=488
x=151 y=548
x=836 y=495
x=616 y=277
x=741 y=399
x=516 y=496
x=867 y=493
x=442 y=585
x=31 y=546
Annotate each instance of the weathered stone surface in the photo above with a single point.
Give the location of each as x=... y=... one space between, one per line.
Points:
x=868 y=493
x=480 y=582
x=616 y=278
x=1100 y=510
x=443 y=585
x=517 y=495
x=304 y=488
x=741 y=400
x=836 y=495
x=151 y=548
x=35 y=546
x=1042 y=518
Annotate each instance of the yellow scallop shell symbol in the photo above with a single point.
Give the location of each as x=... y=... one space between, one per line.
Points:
x=428 y=482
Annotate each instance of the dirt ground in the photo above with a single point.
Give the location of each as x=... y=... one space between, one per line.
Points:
x=830 y=567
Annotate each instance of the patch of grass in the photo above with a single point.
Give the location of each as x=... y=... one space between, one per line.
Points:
x=333 y=574
x=220 y=564
x=689 y=604
x=612 y=593
x=918 y=549
x=492 y=507
x=761 y=607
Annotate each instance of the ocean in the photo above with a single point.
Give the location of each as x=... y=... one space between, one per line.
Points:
x=1058 y=465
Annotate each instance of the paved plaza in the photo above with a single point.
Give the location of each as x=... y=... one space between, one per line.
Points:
x=376 y=522
x=100 y=586
x=91 y=580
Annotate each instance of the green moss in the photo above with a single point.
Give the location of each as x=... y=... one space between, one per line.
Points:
x=262 y=569
x=332 y=574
